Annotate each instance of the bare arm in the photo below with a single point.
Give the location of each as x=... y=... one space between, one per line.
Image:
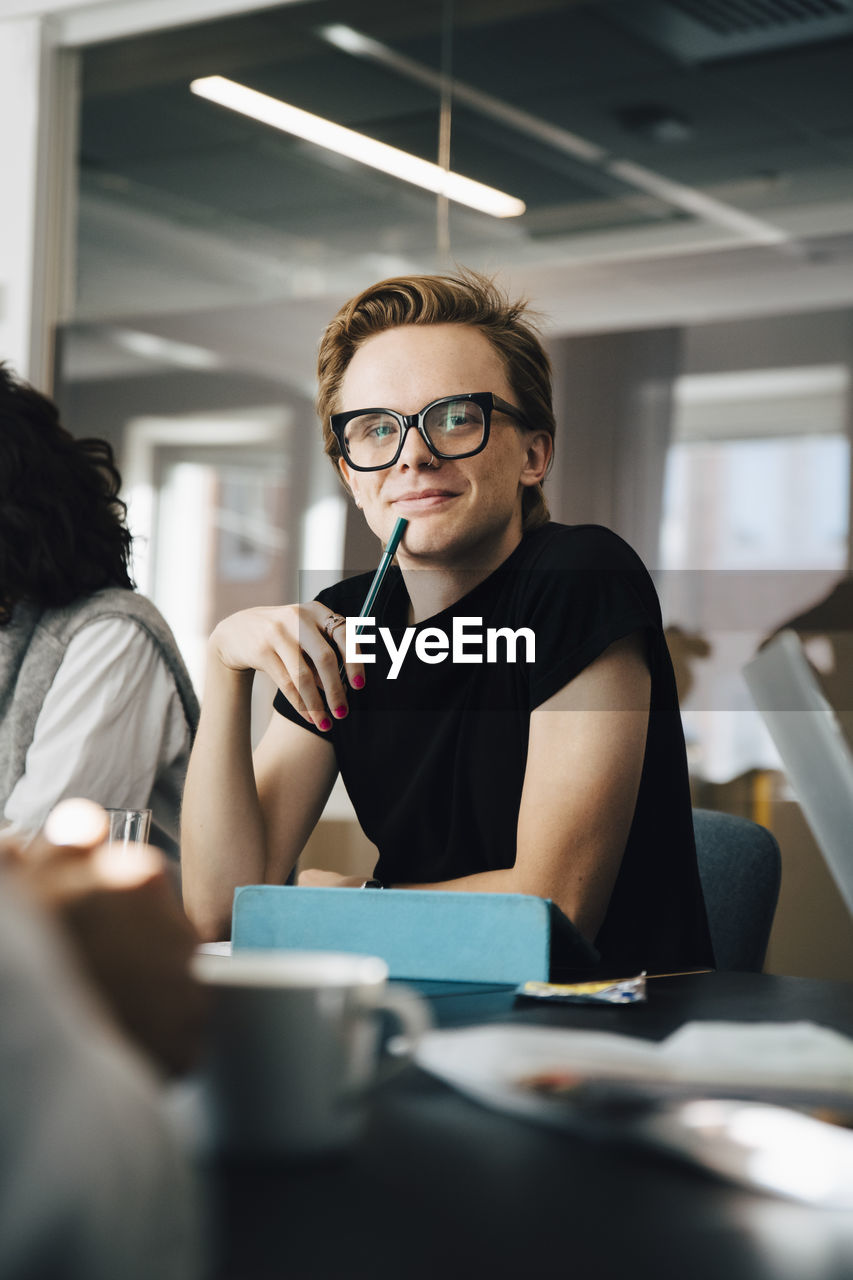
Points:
x=245 y=821
x=584 y=762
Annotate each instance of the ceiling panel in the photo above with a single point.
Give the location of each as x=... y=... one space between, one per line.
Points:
x=185 y=202
x=710 y=30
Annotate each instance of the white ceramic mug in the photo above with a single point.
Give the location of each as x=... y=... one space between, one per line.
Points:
x=294 y=1047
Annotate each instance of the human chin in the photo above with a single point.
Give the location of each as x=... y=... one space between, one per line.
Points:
x=427 y=536
x=382 y=518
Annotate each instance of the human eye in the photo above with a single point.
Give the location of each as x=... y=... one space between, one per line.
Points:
x=455 y=417
x=372 y=429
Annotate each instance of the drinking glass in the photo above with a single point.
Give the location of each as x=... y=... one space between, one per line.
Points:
x=129 y=826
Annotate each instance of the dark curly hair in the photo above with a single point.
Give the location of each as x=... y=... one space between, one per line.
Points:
x=62 y=525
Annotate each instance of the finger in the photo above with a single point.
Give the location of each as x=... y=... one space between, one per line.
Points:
x=298 y=683
x=120 y=865
x=280 y=658
x=331 y=657
x=354 y=671
x=342 y=632
x=327 y=664
x=316 y=649
x=276 y=668
x=73 y=826
x=12 y=851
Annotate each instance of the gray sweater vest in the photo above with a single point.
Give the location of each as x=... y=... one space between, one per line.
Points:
x=33 y=645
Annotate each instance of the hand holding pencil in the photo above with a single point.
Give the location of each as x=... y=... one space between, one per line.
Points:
x=302 y=648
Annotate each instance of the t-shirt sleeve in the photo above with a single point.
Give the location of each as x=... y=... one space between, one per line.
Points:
x=586 y=590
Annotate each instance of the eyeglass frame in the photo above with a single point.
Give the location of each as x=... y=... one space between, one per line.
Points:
x=487 y=401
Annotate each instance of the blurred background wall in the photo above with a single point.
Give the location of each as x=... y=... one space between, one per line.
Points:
x=686 y=173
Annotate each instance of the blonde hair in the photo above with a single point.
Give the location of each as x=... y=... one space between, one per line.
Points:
x=467 y=298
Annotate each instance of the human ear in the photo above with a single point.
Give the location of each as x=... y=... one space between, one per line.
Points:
x=538 y=452
x=348 y=480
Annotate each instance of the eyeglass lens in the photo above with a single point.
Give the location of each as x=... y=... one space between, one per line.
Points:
x=452 y=427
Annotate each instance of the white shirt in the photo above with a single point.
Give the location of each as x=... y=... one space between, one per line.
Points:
x=111 y=729
x=94 y=1182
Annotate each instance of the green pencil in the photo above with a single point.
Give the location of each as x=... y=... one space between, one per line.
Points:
x=384 y=563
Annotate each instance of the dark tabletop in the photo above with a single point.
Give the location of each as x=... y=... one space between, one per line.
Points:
x=440 y=1186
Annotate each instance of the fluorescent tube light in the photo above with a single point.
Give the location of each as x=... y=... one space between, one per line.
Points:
x=152 y=346
x=346 y=142
x=677 y=194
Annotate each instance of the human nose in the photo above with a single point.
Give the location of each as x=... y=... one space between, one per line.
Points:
x=415 y=451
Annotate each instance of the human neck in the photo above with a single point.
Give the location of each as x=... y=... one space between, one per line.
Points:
x=432 y=588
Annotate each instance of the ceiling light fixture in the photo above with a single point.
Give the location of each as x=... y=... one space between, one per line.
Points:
x=153 y=346
x=357 y=146
x=677 y=194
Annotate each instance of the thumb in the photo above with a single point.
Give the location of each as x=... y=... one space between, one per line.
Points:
x=73 y=825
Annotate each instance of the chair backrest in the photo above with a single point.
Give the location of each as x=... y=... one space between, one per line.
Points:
x=740 y=867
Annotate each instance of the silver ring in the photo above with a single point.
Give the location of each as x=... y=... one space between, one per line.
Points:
x=332 y=623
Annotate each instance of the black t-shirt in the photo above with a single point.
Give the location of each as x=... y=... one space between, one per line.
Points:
x=434 y=759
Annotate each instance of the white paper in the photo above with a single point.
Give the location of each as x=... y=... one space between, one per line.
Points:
x=679 y=1094
x=754 y=1059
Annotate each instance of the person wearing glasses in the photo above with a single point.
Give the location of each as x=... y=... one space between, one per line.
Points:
x=555 y=768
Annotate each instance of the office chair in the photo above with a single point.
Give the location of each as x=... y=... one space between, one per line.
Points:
x=740 y=868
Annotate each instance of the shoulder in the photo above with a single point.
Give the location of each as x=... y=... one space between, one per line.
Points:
x=128 y=608
x=585 y=562
x=131 y=608
x=114 y=636
x=583 y=580
x=578 y=546
x=583 y=588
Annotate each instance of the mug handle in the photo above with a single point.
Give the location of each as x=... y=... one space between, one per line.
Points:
x=413 y=1015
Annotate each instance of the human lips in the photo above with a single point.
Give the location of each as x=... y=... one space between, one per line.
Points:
x=423 y=499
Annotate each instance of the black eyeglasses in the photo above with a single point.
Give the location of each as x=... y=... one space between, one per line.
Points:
x=452 y=427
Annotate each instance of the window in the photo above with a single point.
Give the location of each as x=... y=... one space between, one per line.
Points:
x=755 y=529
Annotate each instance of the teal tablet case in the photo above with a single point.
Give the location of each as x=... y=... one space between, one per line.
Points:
x=421 y=934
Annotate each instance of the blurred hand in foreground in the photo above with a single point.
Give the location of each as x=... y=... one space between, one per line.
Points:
x=121 y=912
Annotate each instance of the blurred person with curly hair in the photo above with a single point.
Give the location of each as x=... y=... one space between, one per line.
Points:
x=95 y=699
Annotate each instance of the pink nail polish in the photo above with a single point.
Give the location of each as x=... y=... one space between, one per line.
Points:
x=340 y=712
x=325 y=724
x=358 y=682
